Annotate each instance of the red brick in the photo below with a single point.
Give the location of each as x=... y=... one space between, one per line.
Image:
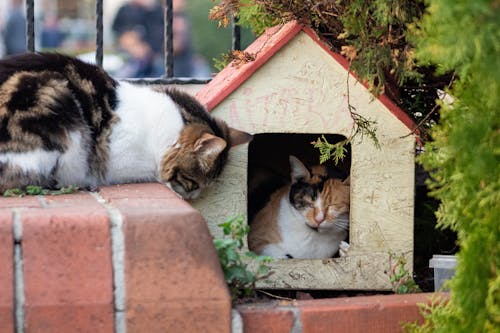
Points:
x=182 y=316
x=24 y=202
x=171 y=268
x=384 y=313
x=6 y=273
x=76 y=200
x=67 y=270
x=266 y=317
x=69 y=318
x=135 y=191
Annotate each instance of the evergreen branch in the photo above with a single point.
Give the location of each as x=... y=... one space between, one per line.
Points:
x=329 y=151
x=363 y=125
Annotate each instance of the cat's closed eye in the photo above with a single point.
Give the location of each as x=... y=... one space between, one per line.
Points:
x=187 y=183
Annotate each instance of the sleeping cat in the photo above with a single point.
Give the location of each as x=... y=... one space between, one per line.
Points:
x=308 y=218
x=65 y=122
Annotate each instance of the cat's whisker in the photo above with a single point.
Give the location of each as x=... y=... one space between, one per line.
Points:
x=341 y=223
x=343 y=227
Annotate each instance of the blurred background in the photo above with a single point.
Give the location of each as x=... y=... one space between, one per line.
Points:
x=133 y=34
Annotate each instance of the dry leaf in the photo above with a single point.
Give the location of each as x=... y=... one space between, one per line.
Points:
x=349 y=51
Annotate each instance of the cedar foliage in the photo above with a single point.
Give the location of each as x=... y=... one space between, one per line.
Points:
x=464 y=158
x=371 y=34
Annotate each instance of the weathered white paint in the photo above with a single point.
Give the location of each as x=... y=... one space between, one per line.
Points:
x=302 y=89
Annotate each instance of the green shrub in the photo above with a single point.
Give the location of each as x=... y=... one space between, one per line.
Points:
x=464 y=158
x=370 y=33
x=242 y=269
x=401 y=279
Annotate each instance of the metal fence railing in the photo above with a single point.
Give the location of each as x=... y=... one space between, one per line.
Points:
x=168 y=78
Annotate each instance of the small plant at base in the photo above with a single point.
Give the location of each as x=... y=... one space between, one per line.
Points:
x=401 y=279
x=238 y=271
x=38 y=190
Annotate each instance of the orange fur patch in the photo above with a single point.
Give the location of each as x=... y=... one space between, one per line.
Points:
x=336 y=198
x=264 y=229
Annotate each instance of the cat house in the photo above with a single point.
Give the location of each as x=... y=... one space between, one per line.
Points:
x=291 y=86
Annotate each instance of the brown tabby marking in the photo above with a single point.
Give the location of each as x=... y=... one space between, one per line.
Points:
x=31 y=106
x=43 y=96
x=190 y=163
x=201 y=150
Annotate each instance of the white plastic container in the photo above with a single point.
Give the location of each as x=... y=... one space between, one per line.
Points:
x=444 y=269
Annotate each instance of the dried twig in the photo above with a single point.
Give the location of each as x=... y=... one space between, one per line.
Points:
x=275 y=296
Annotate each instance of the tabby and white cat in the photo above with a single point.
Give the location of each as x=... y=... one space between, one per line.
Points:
x=65 y=122
x=308 y=218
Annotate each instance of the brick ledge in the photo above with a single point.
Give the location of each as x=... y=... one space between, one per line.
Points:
x=374 y=314
x=109 y=262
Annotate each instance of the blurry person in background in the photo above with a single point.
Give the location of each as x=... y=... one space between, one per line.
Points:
x=138 y=26
x=186 y=62
x=144 y=17
x=52 y=36
x=14 y=33
x=140 y=60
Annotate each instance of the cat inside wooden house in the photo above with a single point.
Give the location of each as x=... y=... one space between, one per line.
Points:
x=64 y=122
x=303 y=214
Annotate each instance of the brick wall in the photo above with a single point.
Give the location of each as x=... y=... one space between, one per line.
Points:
x=132 y=258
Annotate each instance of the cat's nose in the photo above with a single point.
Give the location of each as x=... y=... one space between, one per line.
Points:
x=319 y=217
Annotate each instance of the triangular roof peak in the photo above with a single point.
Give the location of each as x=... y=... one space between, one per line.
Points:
x=264 y=47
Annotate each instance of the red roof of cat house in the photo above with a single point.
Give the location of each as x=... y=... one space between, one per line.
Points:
x=261 y=51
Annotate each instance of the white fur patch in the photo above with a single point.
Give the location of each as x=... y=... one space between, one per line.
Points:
x=149 y=124
x=318 y=205
x=37 y=161
x=72 y=168
x=343 y=248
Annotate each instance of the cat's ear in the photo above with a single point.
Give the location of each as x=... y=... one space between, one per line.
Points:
x=347 y=181
x=209 y=146
x=298 y=170
x=239 y=137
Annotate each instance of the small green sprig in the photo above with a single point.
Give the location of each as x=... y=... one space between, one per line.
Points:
x=241 y=269
x=401 y=279
x=38 y=190
x=328 y=150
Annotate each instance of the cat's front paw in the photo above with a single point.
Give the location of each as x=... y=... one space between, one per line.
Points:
x=343 y=248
